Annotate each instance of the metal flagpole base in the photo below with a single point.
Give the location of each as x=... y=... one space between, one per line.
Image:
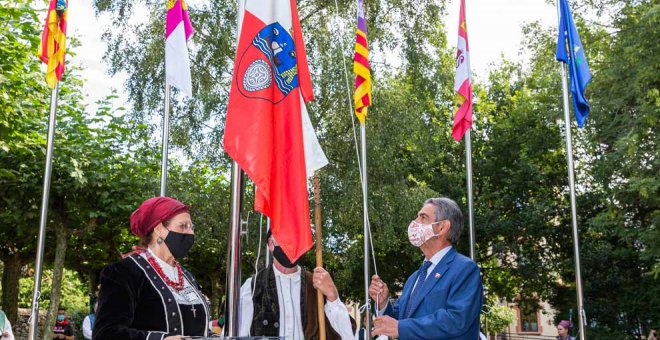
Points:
x=468 y=174
x=365 y=207
x=571 y=183
x=166 y=138
x=234 y=254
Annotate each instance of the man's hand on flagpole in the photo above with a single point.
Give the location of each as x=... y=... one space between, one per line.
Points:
x=386 y=325
x=378 y=291
x=323 y=282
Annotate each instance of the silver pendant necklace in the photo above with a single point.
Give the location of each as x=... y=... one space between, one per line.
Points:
x=185 y=297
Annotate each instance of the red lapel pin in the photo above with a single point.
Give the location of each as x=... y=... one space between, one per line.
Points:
x=437 y=275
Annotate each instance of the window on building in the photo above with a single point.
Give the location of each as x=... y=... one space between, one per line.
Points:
x=529 y=323
x=529 y=318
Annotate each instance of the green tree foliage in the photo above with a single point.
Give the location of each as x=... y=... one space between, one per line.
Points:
x=617 y=168
x=497 y=319
x=520 y=193
x=71 y=297
x=23 y=100
x=622 y=258
x=100 y=167
x=207 y=193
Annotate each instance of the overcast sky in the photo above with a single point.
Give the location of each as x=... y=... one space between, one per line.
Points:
x=494 y=28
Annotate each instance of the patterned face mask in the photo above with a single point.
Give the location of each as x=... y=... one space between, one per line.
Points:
x=419 y=233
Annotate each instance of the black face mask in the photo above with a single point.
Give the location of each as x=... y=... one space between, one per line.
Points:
x=281 y=257
x=179 y=243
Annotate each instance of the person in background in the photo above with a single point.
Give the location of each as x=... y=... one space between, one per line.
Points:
x=88 y=323
x=361 y=333
x=215 y=327
x=63 y=328
x=221 y=318
x=563 y=329
x=5 y=327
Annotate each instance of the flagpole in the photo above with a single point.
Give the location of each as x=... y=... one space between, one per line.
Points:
x=234 y=253
x=571 y=183
x=365 y=208
x=468 y=175
x=36 y=293
x=319 y=252
x=232 y=296
x=166 y=137
x=269 y=256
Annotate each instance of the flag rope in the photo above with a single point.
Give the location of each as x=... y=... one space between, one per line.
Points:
x=366 y=306
x=350 y=105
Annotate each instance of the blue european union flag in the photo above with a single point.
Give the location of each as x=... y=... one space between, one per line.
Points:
x=571 y=52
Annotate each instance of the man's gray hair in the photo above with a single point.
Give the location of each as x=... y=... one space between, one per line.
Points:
x=447 y=209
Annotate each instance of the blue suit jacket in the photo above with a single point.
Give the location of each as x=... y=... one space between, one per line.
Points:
x=448 y=304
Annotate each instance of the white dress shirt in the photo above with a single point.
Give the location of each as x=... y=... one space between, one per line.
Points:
x=87 y=328
x=185 y=296
x=10 y=334
x=435 y=259
x=288 y=296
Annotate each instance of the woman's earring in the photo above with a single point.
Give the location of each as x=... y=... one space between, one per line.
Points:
x=159 y=240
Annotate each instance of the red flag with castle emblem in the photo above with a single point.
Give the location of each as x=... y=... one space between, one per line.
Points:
x=268 y=131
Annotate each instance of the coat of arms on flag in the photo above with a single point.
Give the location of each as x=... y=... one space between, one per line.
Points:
x=270 y=56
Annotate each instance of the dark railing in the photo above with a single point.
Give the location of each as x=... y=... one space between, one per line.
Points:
x=504 y=336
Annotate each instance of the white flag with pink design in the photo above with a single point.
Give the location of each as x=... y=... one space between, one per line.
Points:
x=462 y=85
x=177 y=32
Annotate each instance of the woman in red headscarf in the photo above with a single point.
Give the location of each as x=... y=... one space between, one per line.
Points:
x=148 y=295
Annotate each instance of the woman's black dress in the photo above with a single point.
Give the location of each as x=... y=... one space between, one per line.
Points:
x=135 y=303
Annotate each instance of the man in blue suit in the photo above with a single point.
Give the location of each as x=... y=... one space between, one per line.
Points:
x=442 y=299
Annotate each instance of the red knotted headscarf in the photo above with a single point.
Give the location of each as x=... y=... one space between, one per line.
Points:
x=153 y=211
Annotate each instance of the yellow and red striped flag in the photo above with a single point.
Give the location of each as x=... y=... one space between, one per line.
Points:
x=362 y=94
x=53 y=41
x=462 y=85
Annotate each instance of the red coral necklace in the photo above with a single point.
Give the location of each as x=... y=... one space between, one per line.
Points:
x=176 y=285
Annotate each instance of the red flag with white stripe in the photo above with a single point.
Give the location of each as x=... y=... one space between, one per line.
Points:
x=268 y=131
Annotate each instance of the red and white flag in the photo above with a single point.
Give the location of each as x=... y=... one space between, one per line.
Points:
x=268 y=131
x=462 y=86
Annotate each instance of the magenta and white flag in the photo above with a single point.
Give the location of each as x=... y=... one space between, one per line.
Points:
x=177 y=32
x=462 y=85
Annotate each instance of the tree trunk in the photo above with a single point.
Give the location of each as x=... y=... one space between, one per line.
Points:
x=10 y=276
x=58 y=270
x=215 y=295
x=91 y=287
